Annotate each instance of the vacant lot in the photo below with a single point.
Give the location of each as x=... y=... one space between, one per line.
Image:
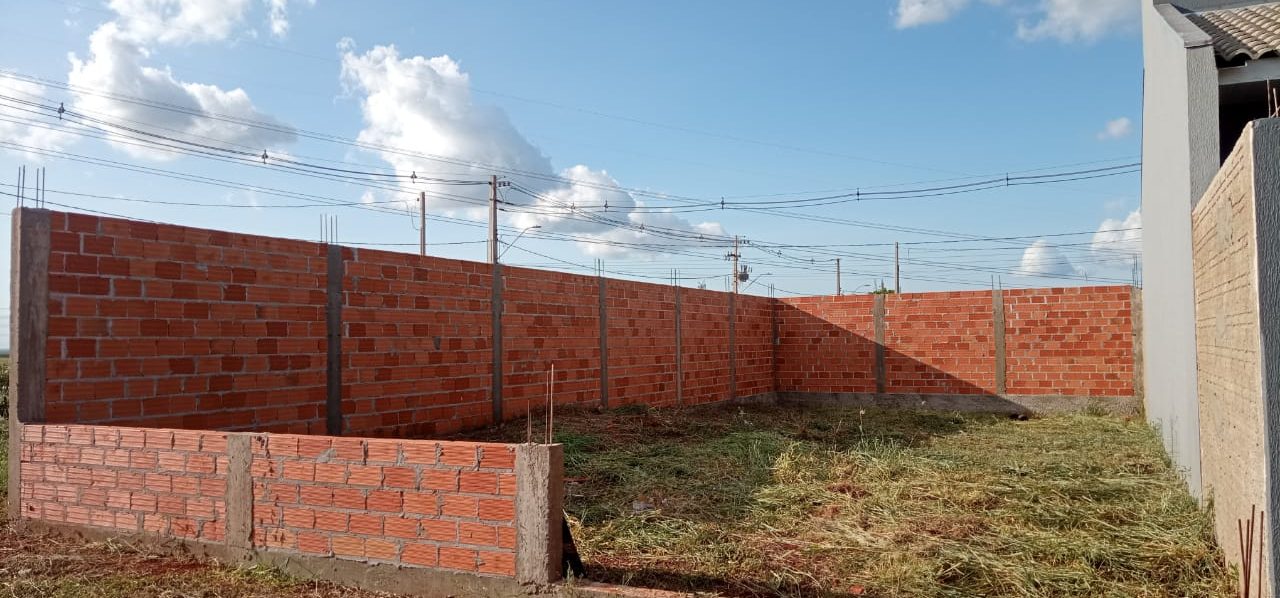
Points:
x=784 y=501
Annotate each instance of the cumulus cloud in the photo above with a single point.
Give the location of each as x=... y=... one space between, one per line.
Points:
x=914 y=13
x=1043 y=259
x=117 y=65
x=1120 y=237
x=1116 y=129
x=1062 y=20
x=425 y=105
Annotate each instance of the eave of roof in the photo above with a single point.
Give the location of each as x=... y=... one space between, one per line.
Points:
x=1246 y=32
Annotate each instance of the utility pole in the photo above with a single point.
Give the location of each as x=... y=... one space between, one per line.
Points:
x=838 y=276
x=734 y=256
x=897 y=283
x=493 y=219
x=422 y=223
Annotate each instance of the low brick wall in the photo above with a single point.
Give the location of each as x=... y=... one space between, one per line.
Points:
x=448 y=506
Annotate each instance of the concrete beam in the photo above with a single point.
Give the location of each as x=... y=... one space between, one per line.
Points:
x=679 y=351
x=997 y=314
x=877 y=312
x=733 y=346
x=495 y=384
x=336 y=271
x=28 y=334
x=604 y=342
x=539 y=513
x=238 y=496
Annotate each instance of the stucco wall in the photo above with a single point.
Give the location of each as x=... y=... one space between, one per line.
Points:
x=1229 y=358
x=1180 y=155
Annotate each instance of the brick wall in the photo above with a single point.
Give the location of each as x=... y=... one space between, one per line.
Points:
x=827 y=344
x=642 y=343
x=422 y=504
x=1070 y=341
x=549 y=318
x=1074 y=342
x=410 y=502
x=131 y=480
x=169 y=326
x=705 y=345
x=939 y=343
x=416 y=345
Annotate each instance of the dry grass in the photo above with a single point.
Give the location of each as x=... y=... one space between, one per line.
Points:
x=780 y=501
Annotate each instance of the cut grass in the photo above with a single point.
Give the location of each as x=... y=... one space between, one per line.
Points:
x=821 y=502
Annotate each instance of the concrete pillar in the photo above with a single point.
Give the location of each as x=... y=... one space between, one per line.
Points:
x=997 y=315
x=336 y=271
x=28 y=334
x=539 y=513
x=238 y=496
x=1266 y=189
x=604 y=342
x=877 y=312
x=733 y=346
x=679 y=351
x=495 y=299
x=1135 y=321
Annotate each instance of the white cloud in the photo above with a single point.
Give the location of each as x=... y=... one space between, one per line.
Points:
x=177 y=21
x=914 y=13
x=1043 y=259
x=1079 y=20
x=1120 y=238
x=424 y=105
x=1116 y=129
x=278 y=15
x=116 y=66
x=1062 y=20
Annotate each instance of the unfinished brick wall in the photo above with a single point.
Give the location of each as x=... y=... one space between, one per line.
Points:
x=826 y=344
x=168 y=482
x=170 y=326
x=642 y=343
x=549 y=318
x=705 y=345
x=413 y=502
x=1070 y=341
x=939 y=343
x=754 y=348
x=1073 y=342
x=416 y=345
x=421 y=504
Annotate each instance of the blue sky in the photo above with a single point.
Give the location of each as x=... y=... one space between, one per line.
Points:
x=684 y=102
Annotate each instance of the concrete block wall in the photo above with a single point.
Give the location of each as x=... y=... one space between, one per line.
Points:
x=1236 y=289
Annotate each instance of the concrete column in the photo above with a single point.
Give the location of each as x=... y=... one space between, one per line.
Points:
x=733 y=346
x=877 y=311
x=495 y=299
x=238 y=495
x=997 y=314
x=679 y=352
x=604 y=343
x=539 y=513
x=336 y=271
x=28 y=334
